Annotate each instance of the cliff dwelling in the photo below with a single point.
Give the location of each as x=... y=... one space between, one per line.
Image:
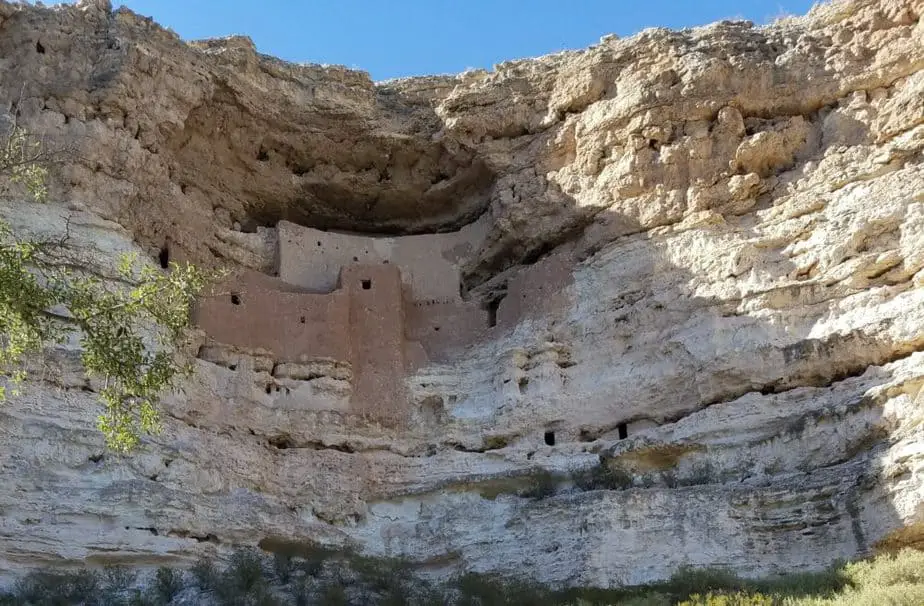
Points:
x=382 y=305
x=586 y=319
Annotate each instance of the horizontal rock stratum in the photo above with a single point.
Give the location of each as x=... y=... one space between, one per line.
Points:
x=690 y=266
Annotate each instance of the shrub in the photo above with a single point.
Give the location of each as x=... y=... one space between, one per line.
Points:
x=301 y=592
x=139 y=598
x=689 y=581
x=823 y=583
x=904 y=567
x=890 y=579
x=334 y=595
x=119 y=579
x=701 y=473
x=602 y=476
x=726 y=599
x=206 y=574
x=312 y=566
x=245 y=571
x=283 y=566
x=168 y=582
x=542 y=485
x=488 y=590
x=244 y=581
x=55 y=589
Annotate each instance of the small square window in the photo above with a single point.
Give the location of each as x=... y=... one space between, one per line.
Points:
x=367 y=284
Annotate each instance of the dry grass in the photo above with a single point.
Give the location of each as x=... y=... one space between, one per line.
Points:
x=659 y=457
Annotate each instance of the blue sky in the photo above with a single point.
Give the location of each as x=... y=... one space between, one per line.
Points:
x=397 y=38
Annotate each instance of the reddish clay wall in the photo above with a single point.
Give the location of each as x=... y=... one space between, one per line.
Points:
x=443 y=328
x=251 y=310
x=376 y=321
x=539 y=288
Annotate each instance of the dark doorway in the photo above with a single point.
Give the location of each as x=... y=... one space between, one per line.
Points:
x=164 y=257
x=623 y=430
x=492 y=308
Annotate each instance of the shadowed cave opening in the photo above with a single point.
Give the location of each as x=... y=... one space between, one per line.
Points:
x=282 y=442
x=163 y=257
x=550 y=438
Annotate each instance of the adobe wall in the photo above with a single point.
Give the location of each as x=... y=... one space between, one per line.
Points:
x=429 y=263
x=539 y=288
x=441 y=328
x=252 y=310
x=376 y=321
x=362 y=322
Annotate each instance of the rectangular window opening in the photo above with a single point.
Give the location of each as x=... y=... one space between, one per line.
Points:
x=367 y=284
x=623 y=431
x=493 y=306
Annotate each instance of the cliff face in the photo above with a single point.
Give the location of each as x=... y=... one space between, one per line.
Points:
x=711 y=241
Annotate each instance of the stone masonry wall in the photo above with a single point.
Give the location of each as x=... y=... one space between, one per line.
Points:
x=253 y=311
x=312 y=258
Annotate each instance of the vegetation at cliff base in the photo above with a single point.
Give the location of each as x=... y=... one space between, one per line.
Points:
x=312 y=576
x=127 y=327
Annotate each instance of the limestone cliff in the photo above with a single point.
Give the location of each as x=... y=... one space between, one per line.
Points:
x=710 y=244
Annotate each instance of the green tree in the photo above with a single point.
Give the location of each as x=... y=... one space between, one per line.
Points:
x=128 y=329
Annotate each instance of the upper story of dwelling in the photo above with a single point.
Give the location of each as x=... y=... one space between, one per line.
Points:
x=429 y=264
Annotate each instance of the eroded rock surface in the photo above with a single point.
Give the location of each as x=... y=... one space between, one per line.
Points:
x=707 y=247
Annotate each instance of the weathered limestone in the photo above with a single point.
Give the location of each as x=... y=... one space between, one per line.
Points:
x=704 y=253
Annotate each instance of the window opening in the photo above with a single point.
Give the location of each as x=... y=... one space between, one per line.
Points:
x=493 y=306
x=164 y=257
x=623 y=430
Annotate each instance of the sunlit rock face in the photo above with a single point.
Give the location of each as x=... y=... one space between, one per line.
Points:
x=697 y=265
